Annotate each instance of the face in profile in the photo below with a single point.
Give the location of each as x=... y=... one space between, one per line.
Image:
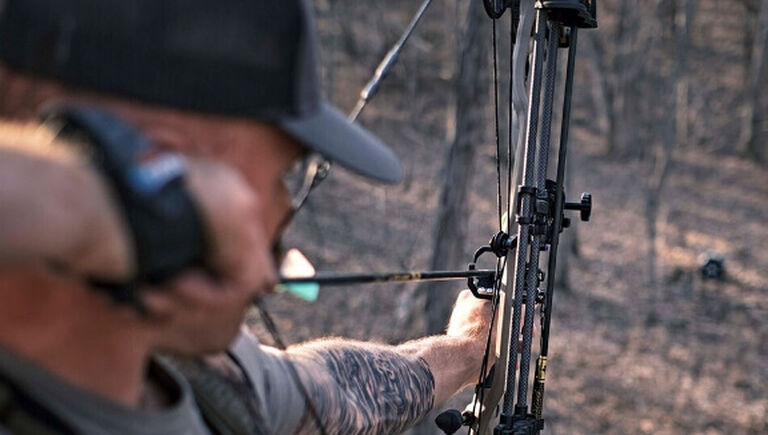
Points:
x=200 y=313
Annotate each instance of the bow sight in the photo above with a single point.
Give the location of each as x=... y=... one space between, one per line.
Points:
x=539 y=213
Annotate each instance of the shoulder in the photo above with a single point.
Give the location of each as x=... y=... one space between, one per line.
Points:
x=224 y=393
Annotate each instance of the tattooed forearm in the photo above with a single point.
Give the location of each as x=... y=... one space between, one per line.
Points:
x=363 y=388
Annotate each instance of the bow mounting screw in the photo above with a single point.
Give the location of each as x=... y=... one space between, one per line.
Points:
x=584 y=206
x=495 y=8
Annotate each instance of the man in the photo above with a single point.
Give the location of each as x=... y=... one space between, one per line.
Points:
x=142 y=156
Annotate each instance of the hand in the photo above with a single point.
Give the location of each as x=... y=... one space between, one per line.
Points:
x=193 y=304
x=471 y=319
x=455 y=358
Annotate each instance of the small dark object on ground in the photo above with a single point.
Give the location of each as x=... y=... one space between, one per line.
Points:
x=712 y=265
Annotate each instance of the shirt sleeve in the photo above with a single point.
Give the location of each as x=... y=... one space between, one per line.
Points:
x=278 y=397
x=354 y=387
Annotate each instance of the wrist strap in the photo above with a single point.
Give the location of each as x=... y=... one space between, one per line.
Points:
x=148 y=183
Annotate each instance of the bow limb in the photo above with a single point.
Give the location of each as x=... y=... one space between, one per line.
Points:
x=486 y=414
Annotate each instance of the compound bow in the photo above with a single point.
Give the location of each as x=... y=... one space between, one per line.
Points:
x=539 y=205
x=539 y=215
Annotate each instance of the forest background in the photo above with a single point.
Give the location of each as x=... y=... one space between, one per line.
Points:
x=669 y=134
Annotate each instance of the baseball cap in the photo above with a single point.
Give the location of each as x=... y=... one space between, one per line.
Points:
x=234 y=57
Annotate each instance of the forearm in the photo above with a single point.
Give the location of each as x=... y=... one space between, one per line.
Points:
x=373 y=388
x=54 y=209
x=454 y=361
x=363 y=387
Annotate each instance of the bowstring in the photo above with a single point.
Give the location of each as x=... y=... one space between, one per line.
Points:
x=502 y=261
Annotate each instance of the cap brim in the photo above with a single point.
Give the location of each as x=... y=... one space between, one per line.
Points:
x=331 y=134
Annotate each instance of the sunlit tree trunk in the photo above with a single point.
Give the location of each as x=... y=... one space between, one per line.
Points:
x=471 y=98
x=749 y=144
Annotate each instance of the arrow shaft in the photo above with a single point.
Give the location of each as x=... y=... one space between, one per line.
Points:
x=338 y=279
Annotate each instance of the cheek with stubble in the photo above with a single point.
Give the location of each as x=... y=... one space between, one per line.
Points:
x=276 y=213
x=201 y=314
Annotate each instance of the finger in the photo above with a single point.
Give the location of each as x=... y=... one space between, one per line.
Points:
x=162 y=300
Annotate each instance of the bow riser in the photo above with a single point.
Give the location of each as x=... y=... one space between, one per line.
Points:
x=540 y=218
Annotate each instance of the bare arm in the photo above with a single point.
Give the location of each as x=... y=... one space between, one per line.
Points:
x=376 y=388
x=363 y=387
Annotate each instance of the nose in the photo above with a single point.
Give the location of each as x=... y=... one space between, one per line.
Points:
x=282 y=214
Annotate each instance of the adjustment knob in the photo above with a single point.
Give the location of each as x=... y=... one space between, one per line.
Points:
x=586 y=206
x=449 y=421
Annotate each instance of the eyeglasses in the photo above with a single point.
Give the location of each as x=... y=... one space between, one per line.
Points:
x=304 y=177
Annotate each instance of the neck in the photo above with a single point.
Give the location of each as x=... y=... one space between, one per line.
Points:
x=75 y=333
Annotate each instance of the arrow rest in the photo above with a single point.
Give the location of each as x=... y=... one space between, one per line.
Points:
x=500 y=244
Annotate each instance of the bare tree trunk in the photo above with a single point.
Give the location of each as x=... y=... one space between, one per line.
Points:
x=471 y=85
x=684 y=14
x=336 y=10
x=618 y=65
x=600 y=88
x=471 y=94
x=683 y=22
x=749 y=144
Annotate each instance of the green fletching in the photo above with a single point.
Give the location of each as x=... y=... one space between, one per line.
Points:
x=307 y=291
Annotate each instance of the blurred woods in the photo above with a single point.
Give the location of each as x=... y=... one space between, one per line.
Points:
x=669 y=133
x=657 y=77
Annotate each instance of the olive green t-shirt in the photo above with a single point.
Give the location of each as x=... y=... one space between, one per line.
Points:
x=275 y=396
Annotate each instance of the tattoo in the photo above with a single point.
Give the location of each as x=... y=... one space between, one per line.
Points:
x=363 y=388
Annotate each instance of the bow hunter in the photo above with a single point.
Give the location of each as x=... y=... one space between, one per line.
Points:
x=144 y=150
